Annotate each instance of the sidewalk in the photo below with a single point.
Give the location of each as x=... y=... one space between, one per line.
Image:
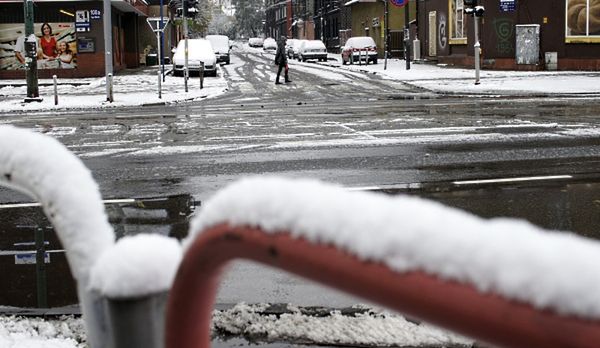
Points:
x=449 y=80
x=131 y=88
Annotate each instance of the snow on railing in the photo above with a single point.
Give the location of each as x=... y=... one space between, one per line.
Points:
x=503 y=281
x=44 y=169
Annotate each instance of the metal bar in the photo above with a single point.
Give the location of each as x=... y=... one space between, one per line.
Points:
x=456 y=306
x=40 y=269
x=108 y=56
x=55 y=82
x=477 y=52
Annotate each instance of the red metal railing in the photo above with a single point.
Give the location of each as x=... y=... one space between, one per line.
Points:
x=458 y=307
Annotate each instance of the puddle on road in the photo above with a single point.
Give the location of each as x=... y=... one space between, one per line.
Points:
x=167 y=216
x=569 y=206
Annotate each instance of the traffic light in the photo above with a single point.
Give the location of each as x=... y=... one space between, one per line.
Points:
x=479 y=10
x=472 y=7
x=190 y=7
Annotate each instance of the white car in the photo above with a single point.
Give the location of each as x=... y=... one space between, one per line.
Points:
x=221 y=46
x=312 y=49
x=270 y=44
x=255 y=42
x=296 y=47
x=199 y=51
x=289 y=47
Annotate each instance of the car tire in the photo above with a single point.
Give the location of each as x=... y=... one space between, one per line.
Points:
x=375 y=61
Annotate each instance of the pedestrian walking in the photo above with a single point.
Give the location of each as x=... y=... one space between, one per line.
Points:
x=281 y=60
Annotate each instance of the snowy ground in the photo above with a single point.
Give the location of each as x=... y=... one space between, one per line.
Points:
x=260 y=323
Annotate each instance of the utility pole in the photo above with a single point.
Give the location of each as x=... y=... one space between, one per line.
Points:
x=108 y=56
x=473 y=8
x=186 y=72
x=30 y=43
x=407 y=35
x=161 y=43
x=386 y=26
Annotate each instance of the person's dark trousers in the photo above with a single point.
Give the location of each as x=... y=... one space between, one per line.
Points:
x=284 y=66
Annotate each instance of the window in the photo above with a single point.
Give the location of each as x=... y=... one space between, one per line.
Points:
x=583 y=21
x=458 y=31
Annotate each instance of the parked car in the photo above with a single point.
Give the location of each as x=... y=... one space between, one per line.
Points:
x=199 y=50
x=289 y=47
x=255 y=42
x=270 y=44
x=359 y=48
x=295 y=47
x=312 y=49
x=221 y=46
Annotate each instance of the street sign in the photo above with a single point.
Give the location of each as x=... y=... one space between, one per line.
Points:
x=154 y=23
x=399 y=3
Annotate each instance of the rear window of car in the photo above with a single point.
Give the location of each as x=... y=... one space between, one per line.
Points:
x=360 y=42
x=314 y=45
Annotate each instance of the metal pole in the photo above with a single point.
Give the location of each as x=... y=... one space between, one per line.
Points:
x=109 y=83
x=31 y=53
x=40 y=268
x=185 y=51
x=386 y=18
x=407 y=34
x=108 y=56
x=159 y=55
x=162 y=41
x=185 y=77
x=201 y=75
x=477 y=52
x=55 y=89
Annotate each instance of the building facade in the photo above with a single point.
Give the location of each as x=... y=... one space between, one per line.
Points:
x=74 y=42
x=514 y=34
x=368 y=19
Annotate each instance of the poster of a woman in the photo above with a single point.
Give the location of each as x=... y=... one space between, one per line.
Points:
x=48 y=36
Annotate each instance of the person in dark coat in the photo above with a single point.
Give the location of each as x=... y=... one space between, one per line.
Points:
x=281 y=60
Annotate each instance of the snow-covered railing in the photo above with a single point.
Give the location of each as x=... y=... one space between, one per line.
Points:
x=121 y=286
x=44 y=169
x=501 y=281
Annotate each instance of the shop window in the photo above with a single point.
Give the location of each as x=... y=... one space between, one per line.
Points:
x=583 y=21
x=458 y=30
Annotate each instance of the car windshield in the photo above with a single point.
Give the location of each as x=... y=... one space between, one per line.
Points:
x=316 y=44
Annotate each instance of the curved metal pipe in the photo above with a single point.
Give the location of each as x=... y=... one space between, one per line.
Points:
x=448 y=304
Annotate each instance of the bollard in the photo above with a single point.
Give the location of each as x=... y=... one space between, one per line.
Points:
x=201 y=75
x=185 y=78
x=159 y=85
x=109 y=81
x=138 y=322
x=55 y=90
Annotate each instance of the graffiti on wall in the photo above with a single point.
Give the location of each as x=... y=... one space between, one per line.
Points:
x=505 y=34
x=442 y=31
x=56 y=46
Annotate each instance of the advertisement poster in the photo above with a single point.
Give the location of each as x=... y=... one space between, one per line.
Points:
x=582 y=18
x=56 y=46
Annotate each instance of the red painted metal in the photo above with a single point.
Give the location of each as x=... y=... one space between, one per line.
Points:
x=454 y=306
